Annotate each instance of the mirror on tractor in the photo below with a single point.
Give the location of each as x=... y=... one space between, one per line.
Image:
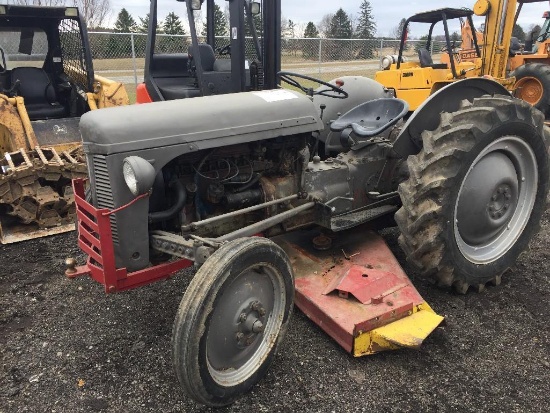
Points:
x=255 y=8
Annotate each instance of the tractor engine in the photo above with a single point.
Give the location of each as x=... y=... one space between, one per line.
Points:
x=226 y=179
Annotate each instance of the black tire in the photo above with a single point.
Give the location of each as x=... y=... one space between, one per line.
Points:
x=217 y=354
x=533 y=85
x=466 y=214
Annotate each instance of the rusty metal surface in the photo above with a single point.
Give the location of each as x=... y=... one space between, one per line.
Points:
x=320 y=274
x=35 y=189
x=17 y=233
x=108 y=93
x=12 y=131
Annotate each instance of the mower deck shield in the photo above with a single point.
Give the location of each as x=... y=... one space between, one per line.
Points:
x=357 y=292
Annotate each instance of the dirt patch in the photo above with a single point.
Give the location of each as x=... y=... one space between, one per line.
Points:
x=67 y=347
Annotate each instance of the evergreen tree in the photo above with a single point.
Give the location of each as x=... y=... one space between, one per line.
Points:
x=172 y=25
x=311 y=31
x=220 y=23
x=143 y=23
x=340 y=26
x=125 y=23
x=288 y=28
x=310 y=48
x=366 y=28
x=257 y=21
x=518 y=32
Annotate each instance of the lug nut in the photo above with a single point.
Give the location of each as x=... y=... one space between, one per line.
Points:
x=239 y=336
x=261 y=311
x=255 y=306
x=242 y=317
x=494 y=198
x=257 y=327
x=249 y=340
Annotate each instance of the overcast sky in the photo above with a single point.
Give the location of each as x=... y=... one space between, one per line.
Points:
x=387 y=13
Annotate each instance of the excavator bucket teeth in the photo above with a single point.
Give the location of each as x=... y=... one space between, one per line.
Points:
x=357 y=292
x=36 y=198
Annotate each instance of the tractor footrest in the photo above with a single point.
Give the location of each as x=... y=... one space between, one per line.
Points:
x=357 y=292
x=352 y=219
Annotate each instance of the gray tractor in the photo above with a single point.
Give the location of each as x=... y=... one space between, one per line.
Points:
x=218 y=180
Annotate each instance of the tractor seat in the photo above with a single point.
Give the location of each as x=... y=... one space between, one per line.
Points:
x=426 y=60
x=40 y=96
x=369 y=119
x=208 y=57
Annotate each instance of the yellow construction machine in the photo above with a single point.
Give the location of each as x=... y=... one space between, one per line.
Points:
x=414 y=81
x=528 y=63
x=46 y=83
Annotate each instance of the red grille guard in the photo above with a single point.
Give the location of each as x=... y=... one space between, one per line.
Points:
x=95 y=239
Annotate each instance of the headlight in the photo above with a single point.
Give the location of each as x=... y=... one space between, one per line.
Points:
x=196 y=4
x=386 y=62
x=138 y=174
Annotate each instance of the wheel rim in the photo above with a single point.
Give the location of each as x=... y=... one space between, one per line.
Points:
x=245 y=324
x=495 y=200
x=529 y=89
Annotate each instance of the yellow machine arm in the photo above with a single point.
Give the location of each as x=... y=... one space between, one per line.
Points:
x=500 y=17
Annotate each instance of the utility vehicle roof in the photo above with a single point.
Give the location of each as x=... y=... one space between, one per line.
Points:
x=42 y=12
x=433 y=16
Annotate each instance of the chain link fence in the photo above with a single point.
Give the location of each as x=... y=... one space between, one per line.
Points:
x=122 y=55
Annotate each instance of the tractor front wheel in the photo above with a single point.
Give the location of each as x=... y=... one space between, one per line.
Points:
x=231 y=320
x=533 y=85
x=476 y=192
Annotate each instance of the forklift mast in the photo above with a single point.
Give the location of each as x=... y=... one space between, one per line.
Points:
x=184 y=75
x=500 y=17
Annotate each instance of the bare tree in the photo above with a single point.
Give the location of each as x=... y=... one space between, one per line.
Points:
x=325 y=24
x=93 y=12
x=40 y=2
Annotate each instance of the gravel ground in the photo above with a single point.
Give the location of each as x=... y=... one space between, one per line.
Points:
x=67 y=347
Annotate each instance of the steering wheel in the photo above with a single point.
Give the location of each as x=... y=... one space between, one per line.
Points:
x=333 y=91
x=224 y=50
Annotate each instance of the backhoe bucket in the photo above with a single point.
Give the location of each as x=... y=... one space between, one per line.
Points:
x=357 y=292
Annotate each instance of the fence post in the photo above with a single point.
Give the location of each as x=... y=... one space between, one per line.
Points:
x=134 y=58
x=320 y=53
x=381 y=48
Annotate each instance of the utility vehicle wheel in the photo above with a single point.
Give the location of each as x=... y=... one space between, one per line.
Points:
x=476 y=192
x=231 y=319
x=533 y=85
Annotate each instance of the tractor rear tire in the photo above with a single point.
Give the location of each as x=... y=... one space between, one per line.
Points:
x=231 y=320
x=476 y=192
x=533 y=85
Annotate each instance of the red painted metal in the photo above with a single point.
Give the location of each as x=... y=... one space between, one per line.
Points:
x=332 y=291
x=95 y=239
x=142 y=96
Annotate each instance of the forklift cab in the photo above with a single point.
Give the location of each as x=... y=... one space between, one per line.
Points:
x=216 y=66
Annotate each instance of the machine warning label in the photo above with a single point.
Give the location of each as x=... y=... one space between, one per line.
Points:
x=275 y=95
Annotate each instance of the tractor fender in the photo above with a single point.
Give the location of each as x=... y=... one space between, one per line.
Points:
x=446 y=99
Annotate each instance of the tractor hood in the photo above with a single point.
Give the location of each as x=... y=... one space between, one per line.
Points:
x=202 y=123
